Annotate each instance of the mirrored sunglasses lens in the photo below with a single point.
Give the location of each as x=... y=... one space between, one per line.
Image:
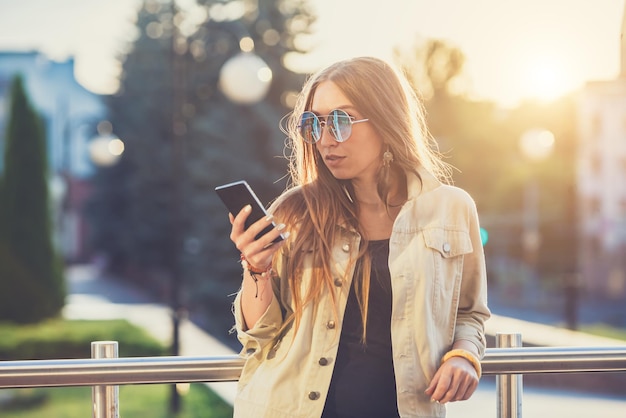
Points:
x=340 y=124
x=310 y=127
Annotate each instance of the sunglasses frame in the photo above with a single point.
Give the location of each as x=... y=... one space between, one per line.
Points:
x=322 y=120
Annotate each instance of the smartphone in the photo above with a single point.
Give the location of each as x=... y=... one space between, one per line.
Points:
x=239 y=194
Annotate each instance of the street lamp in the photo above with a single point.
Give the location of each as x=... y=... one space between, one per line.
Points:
x=105 y=149
x=65 y=185
x=244 y=79
x=536 y=145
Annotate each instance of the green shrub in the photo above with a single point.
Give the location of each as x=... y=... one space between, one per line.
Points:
x=60 y=339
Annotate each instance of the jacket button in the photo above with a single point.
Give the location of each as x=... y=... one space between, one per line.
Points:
x=446 y=247
x=314 y=396
x=323 y=361
x=338 y=282
x=345 y=248
x=330 y=324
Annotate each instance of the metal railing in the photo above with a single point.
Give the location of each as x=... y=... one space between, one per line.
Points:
x=104 y=371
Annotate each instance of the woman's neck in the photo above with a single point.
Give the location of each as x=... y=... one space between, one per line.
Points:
x=366 y=195
x=375 y=217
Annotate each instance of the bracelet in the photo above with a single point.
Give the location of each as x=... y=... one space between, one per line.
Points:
x=246 y=264
x=255 y=273
x=466 y=355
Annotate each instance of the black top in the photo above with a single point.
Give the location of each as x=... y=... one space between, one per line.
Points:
x=363 y=383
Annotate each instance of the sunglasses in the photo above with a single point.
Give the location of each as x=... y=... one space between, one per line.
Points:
x=339 y=122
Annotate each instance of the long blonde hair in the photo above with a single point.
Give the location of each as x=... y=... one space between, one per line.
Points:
x=322 y=202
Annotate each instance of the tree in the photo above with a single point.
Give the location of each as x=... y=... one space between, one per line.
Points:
x=432 y=67
x=155 y=214
x=467 y=132
x=31 y=280
x=482 y=143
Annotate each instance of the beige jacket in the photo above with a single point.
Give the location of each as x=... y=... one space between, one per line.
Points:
x=439 y=290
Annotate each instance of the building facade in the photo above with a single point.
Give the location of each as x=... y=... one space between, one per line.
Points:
x=602 y=183
x=602 y=187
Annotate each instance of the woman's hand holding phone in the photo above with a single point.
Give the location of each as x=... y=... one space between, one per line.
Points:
x=257 y=251
x=258 y=238
x=256 y=295
x=253 y=230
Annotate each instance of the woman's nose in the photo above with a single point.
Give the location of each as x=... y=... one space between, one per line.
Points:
x=326 y=138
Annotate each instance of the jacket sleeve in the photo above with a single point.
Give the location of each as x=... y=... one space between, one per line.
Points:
x=266 y=329
x=257 y=338
x=472 y=309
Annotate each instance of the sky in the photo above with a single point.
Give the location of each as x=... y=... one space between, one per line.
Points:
x=514 y=49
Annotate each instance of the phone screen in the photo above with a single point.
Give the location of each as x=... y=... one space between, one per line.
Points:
x=239 y=194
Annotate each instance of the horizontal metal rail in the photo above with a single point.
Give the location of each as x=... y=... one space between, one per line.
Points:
x=167 y=369
x=535 y=360
x=119 y=371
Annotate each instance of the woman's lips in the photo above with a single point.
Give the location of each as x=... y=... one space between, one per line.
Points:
x=332 y=159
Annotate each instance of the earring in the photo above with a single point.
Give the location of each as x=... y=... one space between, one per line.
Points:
x=387 y=158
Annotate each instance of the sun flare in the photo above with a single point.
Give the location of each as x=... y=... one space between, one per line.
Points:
x=546 y=79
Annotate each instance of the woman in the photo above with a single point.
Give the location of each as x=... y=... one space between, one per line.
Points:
x=374 y=304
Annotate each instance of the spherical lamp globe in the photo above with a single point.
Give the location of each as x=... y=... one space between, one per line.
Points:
x=245 y=78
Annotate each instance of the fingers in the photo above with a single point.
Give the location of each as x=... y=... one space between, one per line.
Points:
x=259 y=251
x=456 y=380
x=469 y=391
x=238 y=222
x=433 y=384
x=241 y=236
x=445 y=388
x=265 y=232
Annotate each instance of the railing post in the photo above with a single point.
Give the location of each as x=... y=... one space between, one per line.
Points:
x=105 y=399
x=509 y=386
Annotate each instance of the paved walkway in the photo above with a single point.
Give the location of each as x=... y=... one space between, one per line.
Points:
x=94 y=297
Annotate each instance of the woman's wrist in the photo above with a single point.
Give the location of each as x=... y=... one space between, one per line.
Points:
x=256 y=274
x=251 y=268
x=466 y=354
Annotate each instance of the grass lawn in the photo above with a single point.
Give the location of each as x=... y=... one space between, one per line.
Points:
x=604 y=330
x=72 y=339
x=134 y=401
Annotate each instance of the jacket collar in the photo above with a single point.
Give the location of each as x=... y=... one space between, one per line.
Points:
x=417 y=186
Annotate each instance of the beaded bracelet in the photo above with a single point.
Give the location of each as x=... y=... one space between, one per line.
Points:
x=466 y=355
x=255 y=273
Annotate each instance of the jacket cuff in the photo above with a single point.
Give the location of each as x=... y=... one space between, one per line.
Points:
x=473 y=335
x=265 y=329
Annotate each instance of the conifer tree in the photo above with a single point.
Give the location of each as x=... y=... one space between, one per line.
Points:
x=31 y=280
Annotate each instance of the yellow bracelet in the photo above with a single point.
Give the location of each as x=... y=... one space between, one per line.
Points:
x=466 y=355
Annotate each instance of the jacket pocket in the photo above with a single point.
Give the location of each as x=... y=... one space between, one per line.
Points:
x=447 y=249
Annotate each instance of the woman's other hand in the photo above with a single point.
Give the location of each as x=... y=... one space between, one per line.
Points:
x=455 y=380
